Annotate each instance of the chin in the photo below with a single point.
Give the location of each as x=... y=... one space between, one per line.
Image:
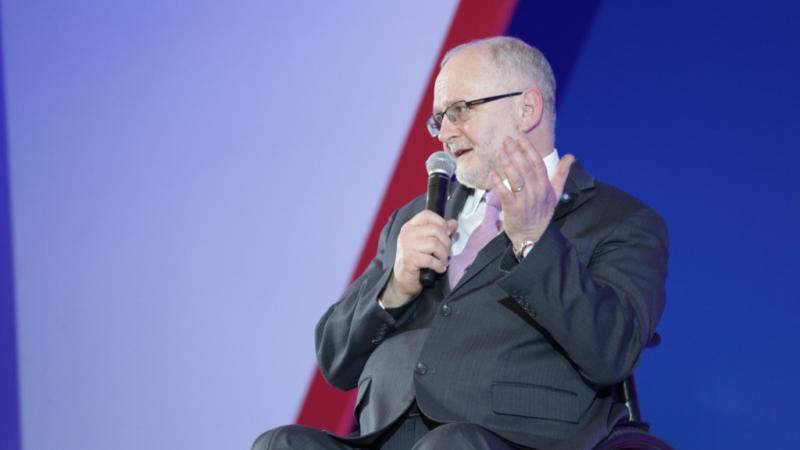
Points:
x=471 y=180
x=465 y=183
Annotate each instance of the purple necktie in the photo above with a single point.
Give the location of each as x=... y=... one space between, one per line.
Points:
x=485 y=232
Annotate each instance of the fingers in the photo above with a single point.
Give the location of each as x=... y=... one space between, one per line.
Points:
x=533 y=158
x=424 y=242
x=428 y=217
x=420 y=261
x=436 y=234
x=513 y=165
x=429 y=245
x=522 y=166
x=452 y=226
x=426 y=224
x=528 y=209
x=562 y=172
x=503 y=193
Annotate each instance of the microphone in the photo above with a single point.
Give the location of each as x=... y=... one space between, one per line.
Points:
x=441 y=166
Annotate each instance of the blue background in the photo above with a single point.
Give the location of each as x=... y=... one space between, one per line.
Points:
x=691 y=106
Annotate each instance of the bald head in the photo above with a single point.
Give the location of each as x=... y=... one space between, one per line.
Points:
x=510 y=64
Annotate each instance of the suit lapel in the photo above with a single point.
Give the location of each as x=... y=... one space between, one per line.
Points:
x=455 y=201
x=490 y=252
x=577 y=191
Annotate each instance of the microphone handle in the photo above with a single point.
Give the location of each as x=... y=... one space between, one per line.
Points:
x=438 y=184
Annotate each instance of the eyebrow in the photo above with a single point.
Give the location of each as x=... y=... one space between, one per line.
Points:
x=449 y=105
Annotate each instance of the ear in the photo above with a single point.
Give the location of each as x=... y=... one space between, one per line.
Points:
x=532 y=109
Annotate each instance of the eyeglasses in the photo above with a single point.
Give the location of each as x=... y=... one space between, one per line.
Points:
x=459 y=112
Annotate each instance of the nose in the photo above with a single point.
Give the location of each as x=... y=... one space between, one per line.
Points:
x=447 y=130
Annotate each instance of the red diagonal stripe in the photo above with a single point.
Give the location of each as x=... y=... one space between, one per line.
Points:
x=324 y=406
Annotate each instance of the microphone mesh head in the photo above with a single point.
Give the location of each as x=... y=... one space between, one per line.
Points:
x=441 y=162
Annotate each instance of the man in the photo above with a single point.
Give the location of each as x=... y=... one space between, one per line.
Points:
x=520 y=340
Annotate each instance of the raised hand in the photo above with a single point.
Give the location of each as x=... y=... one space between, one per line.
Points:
x=531 y=198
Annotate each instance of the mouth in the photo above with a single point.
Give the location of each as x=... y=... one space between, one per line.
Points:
x=458 y=153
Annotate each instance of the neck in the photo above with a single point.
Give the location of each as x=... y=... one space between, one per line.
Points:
x=543 y=142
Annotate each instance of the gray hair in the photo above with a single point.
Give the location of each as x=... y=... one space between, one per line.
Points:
x=522 y=64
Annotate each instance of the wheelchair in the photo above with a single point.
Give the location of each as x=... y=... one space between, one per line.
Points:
x=633 y=433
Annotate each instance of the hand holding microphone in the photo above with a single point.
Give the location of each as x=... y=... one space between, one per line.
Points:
x=423 y=245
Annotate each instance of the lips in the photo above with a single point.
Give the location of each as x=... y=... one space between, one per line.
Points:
x=458 y=153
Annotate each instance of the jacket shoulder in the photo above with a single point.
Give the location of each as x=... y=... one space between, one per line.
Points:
x=618 y=206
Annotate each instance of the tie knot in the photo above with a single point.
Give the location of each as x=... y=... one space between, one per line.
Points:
x=492 y=200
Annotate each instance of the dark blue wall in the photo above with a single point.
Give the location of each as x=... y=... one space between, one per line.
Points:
x=9 y=400
x=692 y=107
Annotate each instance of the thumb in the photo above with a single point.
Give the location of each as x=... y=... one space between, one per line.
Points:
x=562 y=171
x=452 y=226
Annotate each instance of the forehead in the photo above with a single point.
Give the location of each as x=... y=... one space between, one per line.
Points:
x=465 y=76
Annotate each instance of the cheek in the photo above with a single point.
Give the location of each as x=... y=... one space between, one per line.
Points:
x=486 y=143
x=479 y=137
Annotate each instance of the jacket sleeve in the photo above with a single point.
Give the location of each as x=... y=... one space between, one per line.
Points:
x=601 y=312
x=355 y=325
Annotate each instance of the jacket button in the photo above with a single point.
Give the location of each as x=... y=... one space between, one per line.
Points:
x=421 y=369
x=445 y=310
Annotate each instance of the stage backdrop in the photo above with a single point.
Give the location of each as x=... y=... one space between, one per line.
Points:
x=192 y=183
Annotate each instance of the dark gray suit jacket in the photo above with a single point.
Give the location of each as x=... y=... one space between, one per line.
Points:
x=528 y=350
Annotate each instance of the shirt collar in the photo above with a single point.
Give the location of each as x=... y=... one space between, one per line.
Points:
x=550 y=163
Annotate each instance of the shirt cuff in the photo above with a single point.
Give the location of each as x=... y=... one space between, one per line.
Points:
x=396 y=313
